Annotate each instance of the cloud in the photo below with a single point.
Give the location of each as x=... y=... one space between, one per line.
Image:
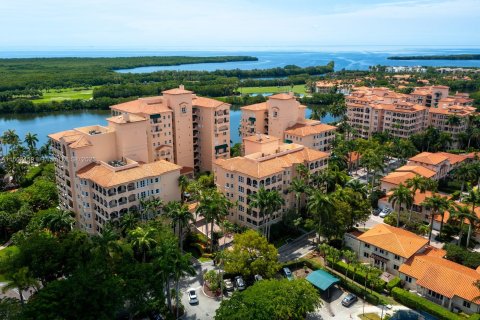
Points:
x=145 y=24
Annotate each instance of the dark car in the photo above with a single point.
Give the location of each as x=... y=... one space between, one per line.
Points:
x=349 y=300
x=377 y=211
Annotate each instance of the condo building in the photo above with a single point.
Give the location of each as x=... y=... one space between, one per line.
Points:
x=185 y=129
x=104 y=171
x=371 y=110
x=267 y=163
x=283 y=117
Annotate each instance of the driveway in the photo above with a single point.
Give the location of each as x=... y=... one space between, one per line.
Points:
x=205 y=309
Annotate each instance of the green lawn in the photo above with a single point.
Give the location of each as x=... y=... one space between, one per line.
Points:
x=299 y=88
x=65 y=94
x=3 y=253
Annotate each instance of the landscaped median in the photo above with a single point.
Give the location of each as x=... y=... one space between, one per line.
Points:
x=415 y=302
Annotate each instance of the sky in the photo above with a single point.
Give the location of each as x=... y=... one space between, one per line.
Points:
x=241 y=24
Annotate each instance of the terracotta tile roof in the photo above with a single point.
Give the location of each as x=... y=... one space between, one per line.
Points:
x=106 y=177
x=62 y=134
x=261 y=138
x=453 y=158
x=422 y=171
x=404 y=107
x=354 y=156
x=261 y=168
x=472 y=155
x=80 y=143
x=429 y=158
x=207 y=102
x=441 y=275
x=121 y=119
x=397 y=177
x=255 y=107
x=151 y=105
x=395 y=240
x=305 y=130
x=282 y=96
x=73 y=138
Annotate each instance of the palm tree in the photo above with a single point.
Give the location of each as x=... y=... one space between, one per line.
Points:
x=401 y=195
x=435 y=204
x=453 y=120
x=182 y=267
x=358 y=187
x=275 y=203
x=421 y=183
x=303 y=172
x=58 y=221
x=128 y=222
x=298 y=187
x=10 y=138
x=322 y=206
x=462 y=213
x=143 y=240
x=373 y=162
x=350 y=257
x=20 y=280
x=31 y=141
x=260 y=201
x=465 y=173
x=472 y=198
x=474 y=135
x=181 y=218
x=183 y=183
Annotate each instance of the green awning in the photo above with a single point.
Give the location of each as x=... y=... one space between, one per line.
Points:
x=322 y=279
x=288 y=141
x=154 y=116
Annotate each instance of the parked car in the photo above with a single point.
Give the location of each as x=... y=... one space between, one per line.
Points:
x=258 y=277
x=288 y=274
x=192 y=296
x=239 y=283
x=349 y=300
x=385 y=212
x=376 y=212
x=228 y=285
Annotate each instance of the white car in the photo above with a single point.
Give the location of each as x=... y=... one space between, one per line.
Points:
x=192 y=296
x=385 y=212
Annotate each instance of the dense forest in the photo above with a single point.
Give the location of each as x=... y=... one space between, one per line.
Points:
x=438 y=57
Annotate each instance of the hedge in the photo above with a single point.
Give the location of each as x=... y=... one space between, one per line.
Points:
x=32 y=173
x=418 y=303
x=394 y=283
x=341 y=267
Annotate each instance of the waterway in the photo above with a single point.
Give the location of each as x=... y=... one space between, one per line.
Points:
x=44 y=124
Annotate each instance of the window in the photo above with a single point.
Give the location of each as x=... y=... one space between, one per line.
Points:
x=241 y=189
x=395 y=267
x=466 y=304
x=240 y=179
x=367 y=245
x=366 y=255
x=382 y=251
x=184 y=109
x=408 y=279
x=275 y=114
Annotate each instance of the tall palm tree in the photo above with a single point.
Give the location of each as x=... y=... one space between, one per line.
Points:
x=183 y=184
x=436 y=204
x=31 y=140
x=10 y=138
x=358 y=187
x=401 y=195
x=373 y=162
x=462 y=213
x=275 y=203
x=298 y=187
x=421 y=183
x=128 y=222
x=321 y=205
x=473 y=198
x=22 y=281
x=260 y=201
x=474 y=134
x=181 y=218
x=465 y=173
x=143 y=240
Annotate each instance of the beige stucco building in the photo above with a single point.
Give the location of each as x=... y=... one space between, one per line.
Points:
x=282 y=116
x=104 y=171
x=269 y=163
x=182 y=128
x=371 y=110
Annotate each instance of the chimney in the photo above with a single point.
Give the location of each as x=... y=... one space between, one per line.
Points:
x=290 y=93
x=181 y=87
x=126 y=117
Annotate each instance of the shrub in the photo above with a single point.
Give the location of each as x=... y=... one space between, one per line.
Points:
x=462 y=256
x=376 y=284
x=394 y=283
x=418 y=303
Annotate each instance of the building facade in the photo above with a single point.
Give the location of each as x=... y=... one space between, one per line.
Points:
x=282 y=116
x=268 y=163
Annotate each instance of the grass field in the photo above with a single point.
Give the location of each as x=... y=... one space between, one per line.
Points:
x=3 y=253
x=299 y=88
x=65 y=94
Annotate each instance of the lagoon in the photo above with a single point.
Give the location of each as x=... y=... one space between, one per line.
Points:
x=44 y=124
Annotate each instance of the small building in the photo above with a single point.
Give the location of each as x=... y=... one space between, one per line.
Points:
x=442 y=281
x=387 y=247
x=322 y=280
